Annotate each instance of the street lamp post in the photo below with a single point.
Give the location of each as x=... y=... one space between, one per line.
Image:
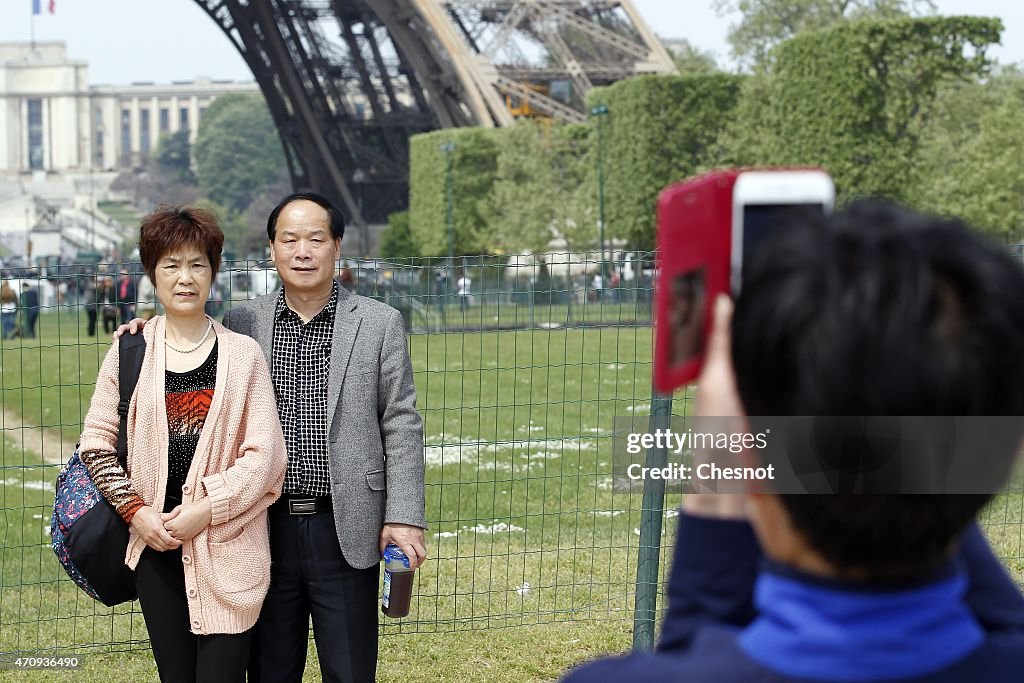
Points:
x=448 y=148
x=600 y=111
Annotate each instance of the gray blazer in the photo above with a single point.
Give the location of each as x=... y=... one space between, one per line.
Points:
x=375 y=432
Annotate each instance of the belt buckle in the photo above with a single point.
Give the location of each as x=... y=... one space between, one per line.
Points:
x=302 y=506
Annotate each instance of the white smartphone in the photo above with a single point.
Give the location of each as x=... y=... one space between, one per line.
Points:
x=763 y=200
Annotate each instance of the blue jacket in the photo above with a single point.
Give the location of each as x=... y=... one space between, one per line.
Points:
x=714 y=630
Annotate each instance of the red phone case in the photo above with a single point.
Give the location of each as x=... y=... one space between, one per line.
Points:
x=694 y=233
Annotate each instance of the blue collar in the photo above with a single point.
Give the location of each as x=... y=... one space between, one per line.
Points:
x=830 y=630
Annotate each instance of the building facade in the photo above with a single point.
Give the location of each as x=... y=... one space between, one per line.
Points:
x=53 y=120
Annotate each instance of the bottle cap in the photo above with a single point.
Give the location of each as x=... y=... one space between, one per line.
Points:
x=392 y=553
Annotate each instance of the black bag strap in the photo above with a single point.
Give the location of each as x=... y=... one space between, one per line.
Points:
x=131 y=351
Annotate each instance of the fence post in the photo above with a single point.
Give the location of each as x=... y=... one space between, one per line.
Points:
x=652 y=518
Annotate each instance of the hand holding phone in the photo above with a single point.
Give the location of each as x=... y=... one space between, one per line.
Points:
x=708 y=227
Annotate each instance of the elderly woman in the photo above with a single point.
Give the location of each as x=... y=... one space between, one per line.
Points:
x=206 y=458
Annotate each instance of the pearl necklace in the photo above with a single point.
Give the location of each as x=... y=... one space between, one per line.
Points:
x=172 y=347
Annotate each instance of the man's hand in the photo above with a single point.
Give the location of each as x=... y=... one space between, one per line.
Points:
x=150 y=528
x=408 y=538
x=718 y=397
x=132 y=326
x=185 y=521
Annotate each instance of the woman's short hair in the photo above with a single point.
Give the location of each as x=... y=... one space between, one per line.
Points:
x=170 y=228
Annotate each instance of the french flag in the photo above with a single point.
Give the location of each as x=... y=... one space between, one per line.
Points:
x=37 y=8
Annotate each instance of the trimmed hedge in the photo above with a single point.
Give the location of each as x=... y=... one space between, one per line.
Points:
x=854 y=99
x=658 y=130
x=474 y=161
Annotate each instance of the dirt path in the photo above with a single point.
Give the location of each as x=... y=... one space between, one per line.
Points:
x=55 y=450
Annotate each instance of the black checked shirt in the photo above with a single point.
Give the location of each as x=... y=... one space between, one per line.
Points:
x=301 y=363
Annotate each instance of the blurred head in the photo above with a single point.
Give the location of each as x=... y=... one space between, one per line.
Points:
x=180 y=250
x=879 y=312
x=305 y=232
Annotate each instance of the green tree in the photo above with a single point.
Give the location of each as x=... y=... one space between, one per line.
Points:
x=536 y=196
x=971 y=154
x=855 y=99
x=237 y=151
x=691 y=60
x=658 y=130
x=766 y=23
x=474 y=154
x=174 y=157
x=396 y=241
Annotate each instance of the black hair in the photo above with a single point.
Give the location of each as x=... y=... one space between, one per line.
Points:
x=334 y=214
x=881 y=311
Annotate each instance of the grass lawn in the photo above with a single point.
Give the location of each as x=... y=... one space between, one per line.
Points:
x=533 y=551
x=122 y=212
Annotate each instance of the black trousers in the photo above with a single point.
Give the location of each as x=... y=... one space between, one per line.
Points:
x=310 y=577
x=182 y=656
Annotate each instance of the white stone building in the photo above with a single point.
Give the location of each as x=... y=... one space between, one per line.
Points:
x=53 y=120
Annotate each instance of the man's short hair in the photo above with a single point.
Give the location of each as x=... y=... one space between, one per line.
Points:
x=881 y=311
x=170 y=228
x=334 y=215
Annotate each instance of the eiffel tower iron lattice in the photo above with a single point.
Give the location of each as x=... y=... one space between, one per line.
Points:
x=348 y=81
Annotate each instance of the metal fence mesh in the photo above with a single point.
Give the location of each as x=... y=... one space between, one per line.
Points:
x=519 y=373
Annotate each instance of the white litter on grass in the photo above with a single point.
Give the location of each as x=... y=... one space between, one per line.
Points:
x=470 y=451
x=34 y=485
x=550 y=326
x=530 y=428
x=499 y=528
x=46 y=530
x=542 y=455
x=639 y=408
x=616 y=366
x=524 y=589
x=595 y=430
x=603 y=484
x=609 y=513
x=672 y=513
x=636 y=531
x=495 y=527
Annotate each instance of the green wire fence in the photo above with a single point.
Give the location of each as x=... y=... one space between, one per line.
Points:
x=520 y=369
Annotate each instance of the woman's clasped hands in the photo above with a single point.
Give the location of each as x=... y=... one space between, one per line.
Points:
x=168 y=530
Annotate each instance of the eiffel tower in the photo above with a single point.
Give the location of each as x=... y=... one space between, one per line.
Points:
x=348 y=81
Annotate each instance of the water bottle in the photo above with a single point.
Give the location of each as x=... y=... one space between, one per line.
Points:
x=398 y=574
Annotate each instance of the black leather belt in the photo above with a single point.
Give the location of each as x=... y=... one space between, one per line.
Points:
x=303 y=505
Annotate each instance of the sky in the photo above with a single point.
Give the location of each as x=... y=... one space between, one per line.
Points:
x=126 y=41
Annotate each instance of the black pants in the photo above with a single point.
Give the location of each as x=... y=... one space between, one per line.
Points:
x=91 y=313
x=310 y=577
x=30 y=323
x=180 y=654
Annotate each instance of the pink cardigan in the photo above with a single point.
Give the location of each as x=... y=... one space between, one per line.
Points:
x=239 y=464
